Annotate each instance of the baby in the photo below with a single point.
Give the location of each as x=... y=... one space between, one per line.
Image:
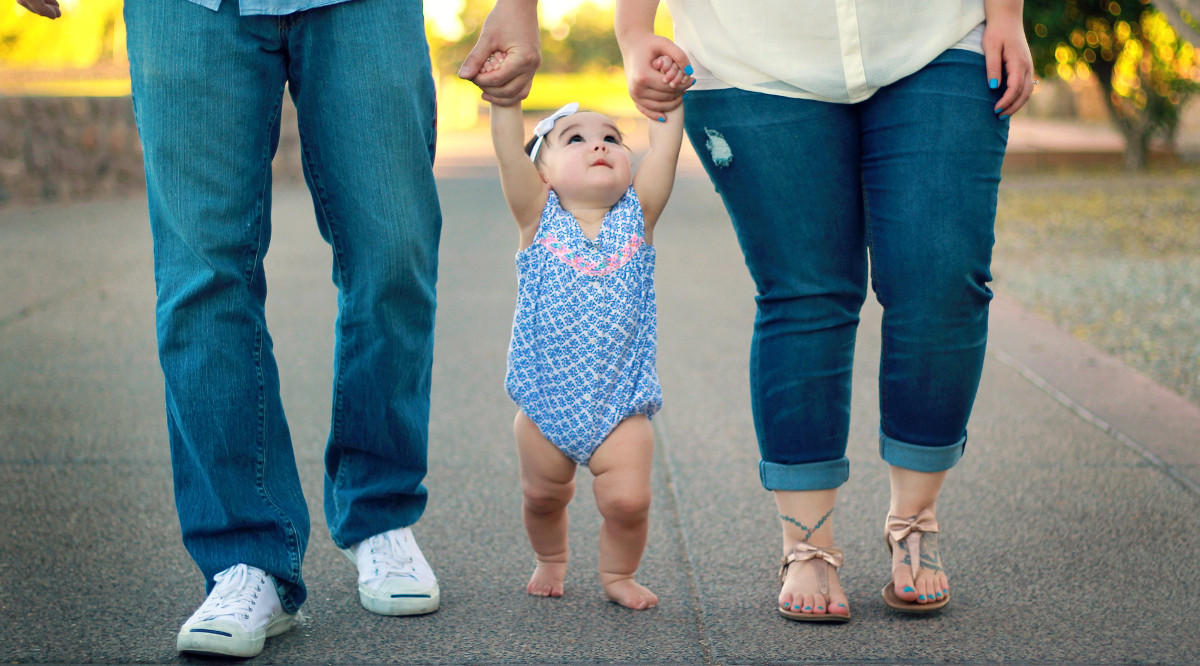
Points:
x=582 y=363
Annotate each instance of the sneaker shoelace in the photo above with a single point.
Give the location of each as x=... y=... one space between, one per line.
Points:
x=389 y=557
x=234 y=595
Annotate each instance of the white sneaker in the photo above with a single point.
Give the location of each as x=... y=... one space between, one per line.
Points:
x=393 y=576
x=241 y=612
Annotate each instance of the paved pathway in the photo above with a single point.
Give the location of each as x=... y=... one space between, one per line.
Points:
x=1071 y=526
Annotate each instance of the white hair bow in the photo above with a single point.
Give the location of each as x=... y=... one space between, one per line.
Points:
x=546 y=124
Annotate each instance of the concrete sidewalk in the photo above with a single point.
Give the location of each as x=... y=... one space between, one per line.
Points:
x=1070 y=528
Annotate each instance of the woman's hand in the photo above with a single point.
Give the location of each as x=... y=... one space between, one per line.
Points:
x=656 y=72
x=1007 y=54
x=654 y=91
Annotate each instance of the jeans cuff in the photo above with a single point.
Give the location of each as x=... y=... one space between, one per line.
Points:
x=920 y=458
x=804 y=476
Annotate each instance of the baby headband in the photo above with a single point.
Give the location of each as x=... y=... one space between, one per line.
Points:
x=546 y=124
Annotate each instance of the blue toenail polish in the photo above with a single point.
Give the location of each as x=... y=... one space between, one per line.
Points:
x=841 y=605
x=993 y=84
x=808 y=608
x=820 y=608
x=909 y=589
x=921 y=598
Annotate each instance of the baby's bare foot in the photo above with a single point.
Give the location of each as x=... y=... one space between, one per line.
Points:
x=630 y=594
x=547 y=579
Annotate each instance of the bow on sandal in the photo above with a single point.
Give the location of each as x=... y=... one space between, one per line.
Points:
x=912 y=533
x=822 y=559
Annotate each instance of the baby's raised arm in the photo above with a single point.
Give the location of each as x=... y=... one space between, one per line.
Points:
x=524 y=190
x=656 y=175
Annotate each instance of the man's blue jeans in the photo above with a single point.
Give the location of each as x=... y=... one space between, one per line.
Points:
x=207 y=89
x=908 y=177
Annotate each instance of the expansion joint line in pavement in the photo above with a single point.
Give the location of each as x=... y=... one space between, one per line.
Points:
x=663 y=442
x=1082 y=412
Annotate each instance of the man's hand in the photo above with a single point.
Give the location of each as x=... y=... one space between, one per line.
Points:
x=47 y=8
x=507 y=54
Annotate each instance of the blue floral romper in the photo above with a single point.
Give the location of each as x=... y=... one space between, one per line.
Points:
x=585 y=334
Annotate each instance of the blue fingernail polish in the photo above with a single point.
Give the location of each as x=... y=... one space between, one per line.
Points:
x=993 y=84
x=909 y=589
x=688 y=70
x=997 y=111
x=1004 y=117
x=662 y=120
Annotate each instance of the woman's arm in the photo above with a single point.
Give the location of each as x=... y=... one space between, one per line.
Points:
x=524 y=190
x=1007 y=53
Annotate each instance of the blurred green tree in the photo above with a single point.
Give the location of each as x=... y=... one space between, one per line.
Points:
x=1146 y=70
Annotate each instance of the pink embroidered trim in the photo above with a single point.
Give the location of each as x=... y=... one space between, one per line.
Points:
x=573 y=258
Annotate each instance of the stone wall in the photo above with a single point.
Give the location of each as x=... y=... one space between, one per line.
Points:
x=67 y=148
x=78 y=148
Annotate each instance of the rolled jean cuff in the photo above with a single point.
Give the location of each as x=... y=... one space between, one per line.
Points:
x=920 y=458
x=804 y=476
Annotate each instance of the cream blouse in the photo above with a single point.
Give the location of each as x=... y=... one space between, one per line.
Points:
x=830 y=50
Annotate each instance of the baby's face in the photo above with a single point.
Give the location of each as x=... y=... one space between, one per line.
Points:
x=582 y=156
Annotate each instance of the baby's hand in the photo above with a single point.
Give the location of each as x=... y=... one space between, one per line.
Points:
x=493 y=62
x=672 y=75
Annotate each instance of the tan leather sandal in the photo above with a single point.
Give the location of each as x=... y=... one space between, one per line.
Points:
x=822 y=558
x=914 y=532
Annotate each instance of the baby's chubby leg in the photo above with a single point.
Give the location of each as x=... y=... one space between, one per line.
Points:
x=622 y=486
x=547 y=486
